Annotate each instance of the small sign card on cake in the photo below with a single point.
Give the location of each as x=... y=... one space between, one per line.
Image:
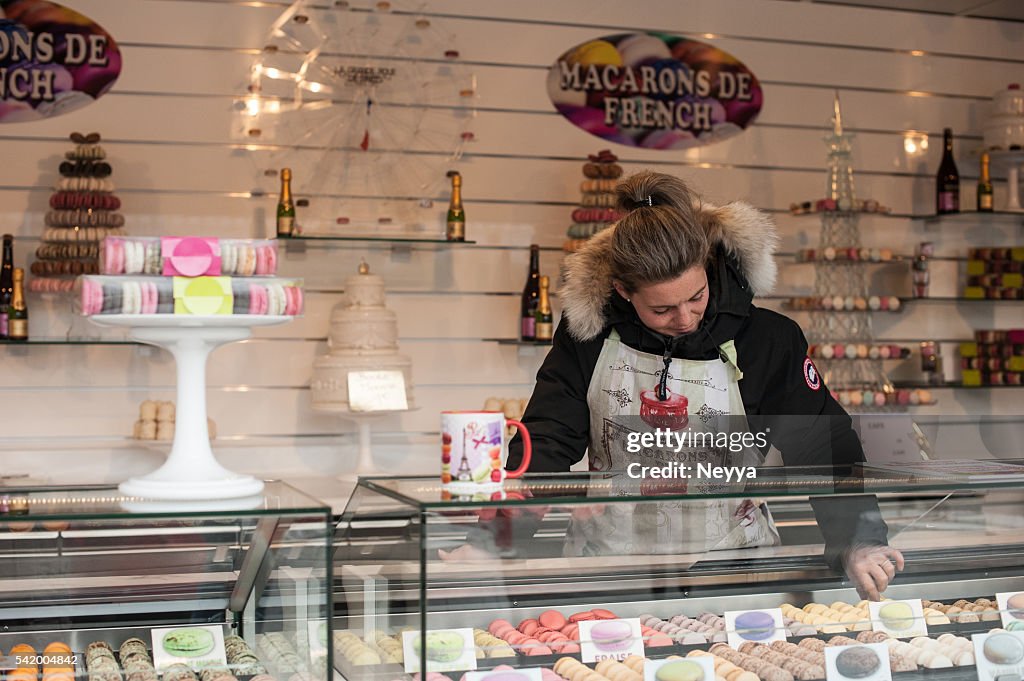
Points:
x=1011 y=609
x=448 y=650
x=610 y=639
x=999 y=655
x=899 y=619
x=193 y=646
x=528 y=674
x=697 y=668
x=376 y=391
x=864 y=662
x=760 y=626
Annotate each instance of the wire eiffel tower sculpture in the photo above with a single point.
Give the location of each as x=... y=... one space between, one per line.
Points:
x=843 y=278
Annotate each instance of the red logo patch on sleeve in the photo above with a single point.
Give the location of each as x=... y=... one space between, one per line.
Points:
x=811 y=374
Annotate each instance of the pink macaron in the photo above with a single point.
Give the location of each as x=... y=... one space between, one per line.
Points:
x=497 y=625
x=271 y=259
x=261 y=260
x=149 y=298
x=552 y=619
x=258 y=301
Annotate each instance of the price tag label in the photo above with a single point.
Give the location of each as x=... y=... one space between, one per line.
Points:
x=999 y=655
x=899 y=619
x=529 y=674
x=193 y=646
x=866 y=662
x=448 y=650
x=376 y=391
x=1011 y=609
x=759 y=626
x=696 y=668
x=888 y=439
x=610 y=639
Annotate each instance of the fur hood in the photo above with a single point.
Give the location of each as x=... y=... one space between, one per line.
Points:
x=747 y=235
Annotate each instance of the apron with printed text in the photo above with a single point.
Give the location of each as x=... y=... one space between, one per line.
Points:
x=702 y=397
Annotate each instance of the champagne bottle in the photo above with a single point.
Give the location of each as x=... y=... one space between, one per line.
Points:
x=456 y=222
x=6 y=282
x=531 y=297
x=544 y=328
x=947 y=181
x=985 y=202
x=17 y=313
x=286 y=206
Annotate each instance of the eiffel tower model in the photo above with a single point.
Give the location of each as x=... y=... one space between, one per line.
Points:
x=860 y=380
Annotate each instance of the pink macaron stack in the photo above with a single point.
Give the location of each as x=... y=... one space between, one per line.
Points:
x=188 y=256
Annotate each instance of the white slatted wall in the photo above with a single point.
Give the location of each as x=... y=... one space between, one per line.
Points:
x=65 y=411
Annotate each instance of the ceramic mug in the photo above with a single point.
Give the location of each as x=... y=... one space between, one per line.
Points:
x=471 y=447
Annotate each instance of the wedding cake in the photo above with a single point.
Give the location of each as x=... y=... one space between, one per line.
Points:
x=363 y=337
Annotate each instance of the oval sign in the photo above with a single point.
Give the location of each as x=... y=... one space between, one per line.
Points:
x=654 y=90
x=53 y=60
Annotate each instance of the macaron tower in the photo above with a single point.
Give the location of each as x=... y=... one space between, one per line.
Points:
x=83 y=210
x=189 y=276
x=597 y=210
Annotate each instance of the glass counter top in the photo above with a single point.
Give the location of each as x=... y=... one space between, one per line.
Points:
x=426 y=492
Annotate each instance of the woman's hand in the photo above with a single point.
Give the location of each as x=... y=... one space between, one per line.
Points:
x=871 y=568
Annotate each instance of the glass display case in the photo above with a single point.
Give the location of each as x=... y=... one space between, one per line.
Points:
x=97 y=585
x=584 y=576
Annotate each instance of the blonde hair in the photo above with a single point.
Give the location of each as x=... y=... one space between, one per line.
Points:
x=662 y=234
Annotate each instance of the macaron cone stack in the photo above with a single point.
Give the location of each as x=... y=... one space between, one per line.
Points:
x=83 y=210
x=597 y=209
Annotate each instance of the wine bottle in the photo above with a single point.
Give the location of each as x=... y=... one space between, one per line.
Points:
x=947 y=181
x=17 y=312
x=531 y=297
x=985 y=202
x=456 y=221
x=286 y=206
x=6 y=282
x=544 y=328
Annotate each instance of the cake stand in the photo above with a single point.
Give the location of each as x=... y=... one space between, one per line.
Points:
x=1012 y=160
x=364 y=422
x=191 y=472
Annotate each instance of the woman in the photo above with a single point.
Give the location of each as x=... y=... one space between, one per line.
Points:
x=659 y=331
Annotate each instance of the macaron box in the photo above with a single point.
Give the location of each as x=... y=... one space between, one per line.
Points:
x=191 y=295
x=177 y=256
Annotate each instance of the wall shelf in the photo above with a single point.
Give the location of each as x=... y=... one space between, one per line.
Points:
x=69 y=341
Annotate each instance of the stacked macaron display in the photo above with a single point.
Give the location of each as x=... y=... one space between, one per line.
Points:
x=101 y=295
x=995 y=357
x=188 y=256
x=84 y=212
x=844 y=303
x=597 y=209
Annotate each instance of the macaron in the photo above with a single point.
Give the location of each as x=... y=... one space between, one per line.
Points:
x=612 y=635
x=582 y=616
x=680 y=670
x=552 y=619
x=496 y=626
x=896 y=616
x=755 y=625
x=228 y=257
x=271 y=259
x=528 y=626
x=604 y=614
x=857 y=662
x=1003 y=649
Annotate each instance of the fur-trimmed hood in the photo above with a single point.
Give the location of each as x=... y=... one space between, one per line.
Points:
x=747 y=236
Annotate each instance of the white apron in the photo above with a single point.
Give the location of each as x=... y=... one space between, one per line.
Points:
x=622 y=399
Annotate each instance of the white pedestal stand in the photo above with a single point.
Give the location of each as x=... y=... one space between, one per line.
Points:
x=191 y=472
x=363 y=421
x=1013 y=160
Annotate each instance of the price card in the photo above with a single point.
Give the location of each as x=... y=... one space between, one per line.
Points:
x=760 y=626
x=529 y=674
x=999 y=655
x=865 y=662
x=899 y=619
x=610 y=639
x=193 y=646
x=1011 y=609
x=448 y=650
x=697 y=668
x=376 y=391
x=888 y=439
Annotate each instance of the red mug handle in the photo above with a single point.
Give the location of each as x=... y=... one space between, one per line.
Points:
x=527 y=449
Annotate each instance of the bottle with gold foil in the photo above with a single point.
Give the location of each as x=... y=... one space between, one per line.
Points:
x=456 y=222
x=985 y=202
x=286 y=206
x=6 y=282
x=17 y=312
x=544 y=328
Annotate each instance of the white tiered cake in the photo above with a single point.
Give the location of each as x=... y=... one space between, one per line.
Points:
x=363 y=337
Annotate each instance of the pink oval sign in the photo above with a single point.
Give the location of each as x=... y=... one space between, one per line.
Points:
x=654 y=90
x=53 y=60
